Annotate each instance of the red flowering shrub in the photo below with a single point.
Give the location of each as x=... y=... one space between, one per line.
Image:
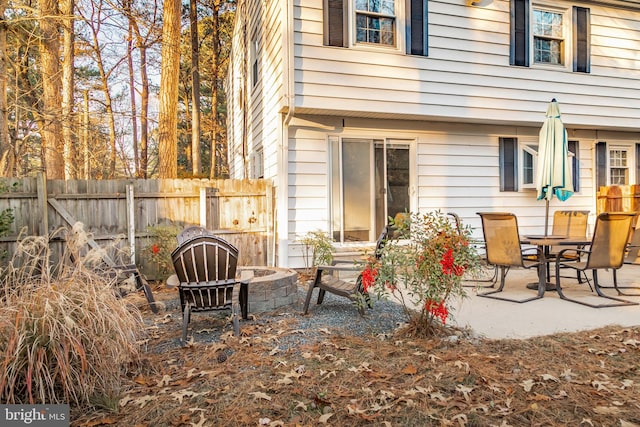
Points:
x=423 y=268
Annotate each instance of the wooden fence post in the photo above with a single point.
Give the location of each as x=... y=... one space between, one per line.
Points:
x=41 y=184
x=131 y=222
x=203 y=207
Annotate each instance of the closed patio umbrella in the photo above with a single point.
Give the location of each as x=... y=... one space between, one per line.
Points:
x=553 y=176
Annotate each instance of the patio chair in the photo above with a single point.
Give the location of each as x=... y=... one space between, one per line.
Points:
x=502 y=242
x=572 y=224
x=489 y=273
x=606 y=251
x=206 y=269
x=191 y=232
x=327 y=278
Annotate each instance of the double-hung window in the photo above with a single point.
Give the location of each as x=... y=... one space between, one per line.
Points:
x=376 y=22
x=548 y=37
x=544 y=34
x=384 y=23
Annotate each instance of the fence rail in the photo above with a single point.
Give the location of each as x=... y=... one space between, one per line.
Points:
x=241 y=210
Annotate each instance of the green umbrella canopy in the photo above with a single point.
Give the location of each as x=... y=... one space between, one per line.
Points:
x=553 y=175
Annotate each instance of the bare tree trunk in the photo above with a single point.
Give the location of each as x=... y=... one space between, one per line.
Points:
x=169 y=78
x=141 y=45
x=85 y=136
x=144 y=112
x=195 y=90
x=132 y=91
x=7 y=159
x=52 y=141
x=215 y=71
x=68 y=87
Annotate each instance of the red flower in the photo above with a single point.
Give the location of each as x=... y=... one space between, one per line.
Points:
x=447 y=262
x=437 y=309
x=368 y=277
x=448 y=265
x=155 y=248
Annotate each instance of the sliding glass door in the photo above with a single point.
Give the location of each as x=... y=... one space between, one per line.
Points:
x=369 y=183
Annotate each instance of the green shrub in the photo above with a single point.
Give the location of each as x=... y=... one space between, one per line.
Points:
x=162 y=243
x=317 y=249
x=63 y=339
x=422 y=267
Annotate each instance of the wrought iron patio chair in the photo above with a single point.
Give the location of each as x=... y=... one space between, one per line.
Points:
x=502 y=242
x=327 y=278
x=206 y=269
x=606 y=251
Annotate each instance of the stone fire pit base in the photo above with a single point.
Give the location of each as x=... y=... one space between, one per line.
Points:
x=271 y=288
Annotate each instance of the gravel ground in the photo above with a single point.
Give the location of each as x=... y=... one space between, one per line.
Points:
x=336 y=315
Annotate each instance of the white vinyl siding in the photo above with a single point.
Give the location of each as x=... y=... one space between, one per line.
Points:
x=466 y=75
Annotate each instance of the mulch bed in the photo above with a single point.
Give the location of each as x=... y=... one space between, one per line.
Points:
x=285 y=371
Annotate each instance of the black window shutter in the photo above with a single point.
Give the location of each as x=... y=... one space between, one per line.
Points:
x=575 y=164
x=519 y=51
x=637 y=163
x=508 y=164
x=601 y=165
x=581 y=40
x=335 y=20
x=417 y=28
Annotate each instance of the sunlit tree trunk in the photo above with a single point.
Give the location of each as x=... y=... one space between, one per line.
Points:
x=6 y=152
x=195 y=91
x=169 y=75
x=70 y=157
x=52 y=141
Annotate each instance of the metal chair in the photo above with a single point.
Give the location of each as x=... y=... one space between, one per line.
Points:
x=489 y=273
x=206 y=269
x=606 y=251
x=568 y=223
x=503 y=248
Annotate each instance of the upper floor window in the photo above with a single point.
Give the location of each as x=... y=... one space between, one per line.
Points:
x=376 y=22
x=384 y=23
x=546 y=35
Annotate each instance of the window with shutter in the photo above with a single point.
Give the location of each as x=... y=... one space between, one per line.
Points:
x=617 y=163
x=377 y=23
x=549 y=35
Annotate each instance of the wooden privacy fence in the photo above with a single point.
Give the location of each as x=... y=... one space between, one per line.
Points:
x=127 y=210
x=618 y=198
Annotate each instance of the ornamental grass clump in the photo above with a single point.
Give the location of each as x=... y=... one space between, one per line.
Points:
x=64 y=336
x=422 y=268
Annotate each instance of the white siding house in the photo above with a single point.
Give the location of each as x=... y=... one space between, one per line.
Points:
x=359 y=109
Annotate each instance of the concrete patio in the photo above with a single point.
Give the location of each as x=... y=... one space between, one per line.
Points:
x=503 y=319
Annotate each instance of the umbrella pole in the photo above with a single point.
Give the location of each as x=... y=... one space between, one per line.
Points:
x=546 y=217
